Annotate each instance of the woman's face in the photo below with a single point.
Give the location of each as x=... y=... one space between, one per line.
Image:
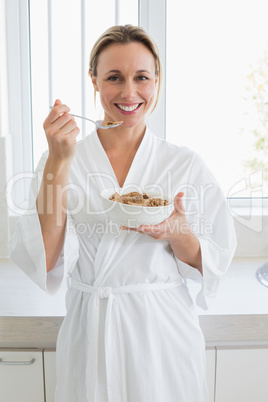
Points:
x=126 y=82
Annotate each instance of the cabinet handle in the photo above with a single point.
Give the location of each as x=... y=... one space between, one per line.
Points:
x=14 y=363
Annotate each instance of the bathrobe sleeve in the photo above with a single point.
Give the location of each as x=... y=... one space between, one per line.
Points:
x=211 y=221
x=26 y=247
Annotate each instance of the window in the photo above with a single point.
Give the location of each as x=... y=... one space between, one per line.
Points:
x=217 y=88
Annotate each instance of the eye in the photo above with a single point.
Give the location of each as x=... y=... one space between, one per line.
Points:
x=142 y=78
x=113 y=78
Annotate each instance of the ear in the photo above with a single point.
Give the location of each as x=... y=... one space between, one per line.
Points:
x=94 y=82
x=156 y=79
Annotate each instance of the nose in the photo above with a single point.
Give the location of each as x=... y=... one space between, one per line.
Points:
x=129 y=90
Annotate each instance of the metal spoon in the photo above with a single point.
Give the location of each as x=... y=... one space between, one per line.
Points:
x=98 y=123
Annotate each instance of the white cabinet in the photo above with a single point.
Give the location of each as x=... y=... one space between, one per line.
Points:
x=211 y=361
x=242 y=375
x=50 y=374
x=21 y=376
x=233 y=374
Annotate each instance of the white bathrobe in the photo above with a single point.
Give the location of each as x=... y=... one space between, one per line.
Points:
x=131 y=333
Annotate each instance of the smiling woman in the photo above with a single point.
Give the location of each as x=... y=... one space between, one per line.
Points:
x=129 y=314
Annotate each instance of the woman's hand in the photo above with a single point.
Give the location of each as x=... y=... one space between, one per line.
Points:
x=61 y=132
x=177 y=231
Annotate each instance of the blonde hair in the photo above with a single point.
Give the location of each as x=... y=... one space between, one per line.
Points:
x=123 y=34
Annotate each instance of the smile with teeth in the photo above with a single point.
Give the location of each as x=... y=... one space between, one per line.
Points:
x=128 y=108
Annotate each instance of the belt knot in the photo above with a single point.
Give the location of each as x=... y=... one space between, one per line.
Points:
x=104 y=292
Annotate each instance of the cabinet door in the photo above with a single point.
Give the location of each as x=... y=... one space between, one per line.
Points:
x=242 y=375
x=21 y=376
x=211 y=361
x=50 y=374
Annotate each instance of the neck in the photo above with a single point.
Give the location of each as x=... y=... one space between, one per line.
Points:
x=122 y=139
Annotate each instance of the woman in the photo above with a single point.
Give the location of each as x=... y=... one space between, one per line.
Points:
x=131 y=332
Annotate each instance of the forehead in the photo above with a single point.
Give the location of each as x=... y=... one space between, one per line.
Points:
x=124 y=57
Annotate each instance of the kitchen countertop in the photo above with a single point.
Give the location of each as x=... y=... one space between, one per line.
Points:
x=239 y=314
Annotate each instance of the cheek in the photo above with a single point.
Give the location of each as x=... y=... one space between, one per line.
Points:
x=149 y=92
x=106 y=94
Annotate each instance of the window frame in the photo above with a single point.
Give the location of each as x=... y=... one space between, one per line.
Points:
x=152 y=17
x=19 y=92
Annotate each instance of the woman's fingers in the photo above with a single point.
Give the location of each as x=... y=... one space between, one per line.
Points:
x=67 y=131
x=154 y=231
x=63 y=125
x=74 y=133
x=61 y=131
x=179 y=208
x=68 y=127
x=56 y=112
x=57 y=102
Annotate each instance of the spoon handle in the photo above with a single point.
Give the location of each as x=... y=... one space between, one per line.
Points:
x=85 y=118
x=80 y=117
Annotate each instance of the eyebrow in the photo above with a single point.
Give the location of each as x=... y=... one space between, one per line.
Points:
x=119 y=72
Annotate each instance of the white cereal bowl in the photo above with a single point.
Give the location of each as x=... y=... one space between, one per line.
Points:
x=134 y=216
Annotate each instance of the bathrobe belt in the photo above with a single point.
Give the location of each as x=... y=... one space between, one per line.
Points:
x=113 y=336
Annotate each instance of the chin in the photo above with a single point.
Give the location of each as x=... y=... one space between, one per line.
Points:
x=133 y=123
